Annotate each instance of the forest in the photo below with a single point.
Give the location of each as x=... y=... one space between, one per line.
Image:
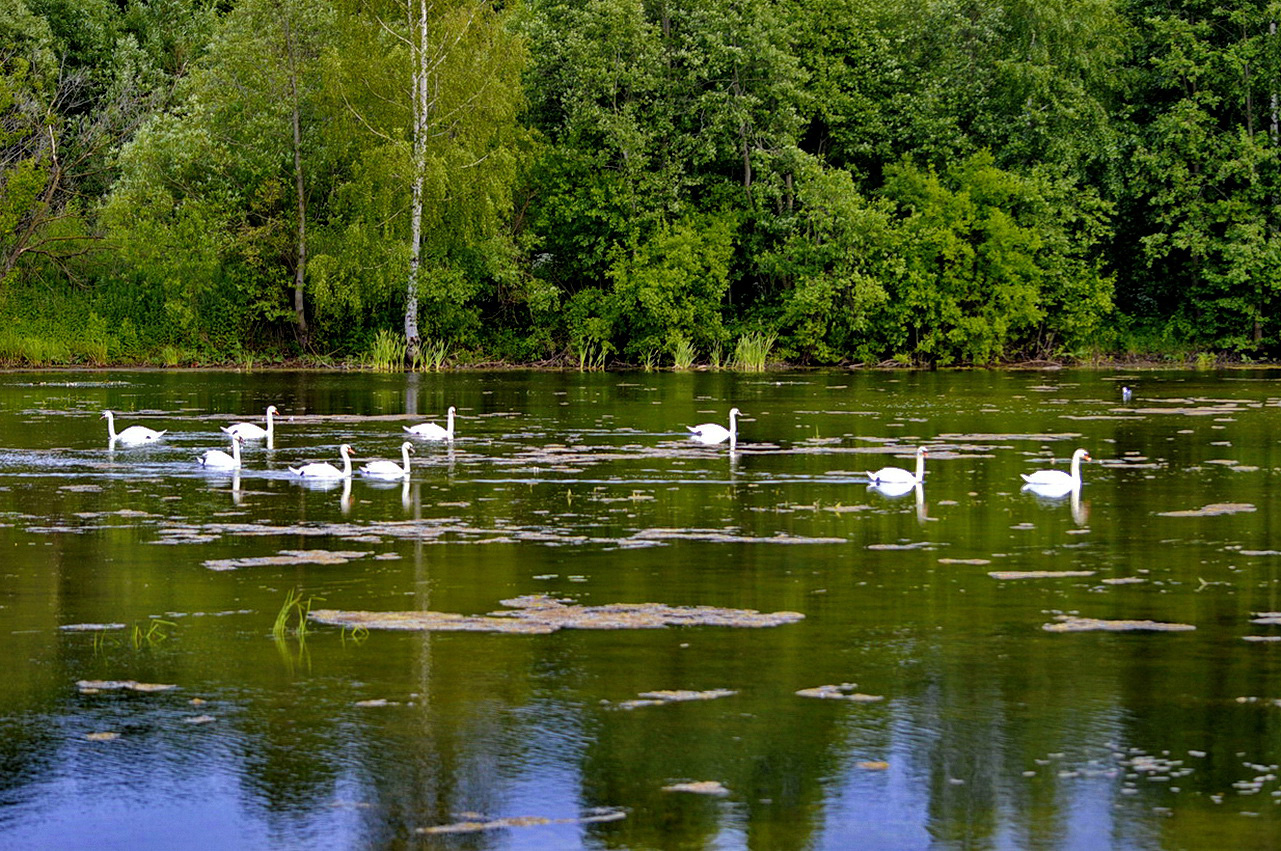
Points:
x=657 y=183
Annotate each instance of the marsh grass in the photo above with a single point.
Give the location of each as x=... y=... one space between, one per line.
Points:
x=387 y=352
x=150 y=634
x=683 y=355
x=751 y=353
x=591 y=356
x=295 y=609
x=431 y=355
x=170 y=355
x=716 y=358
x=649 y=360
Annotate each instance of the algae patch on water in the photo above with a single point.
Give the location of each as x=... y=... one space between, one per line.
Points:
x=665 y=696
x=287 y=557
x=1037 y=574
x=96 y=686
x=1212 y=510
x=477 y=825
x=699 y=787
x=842 y=691
x=540 y=614
x=1073 y=623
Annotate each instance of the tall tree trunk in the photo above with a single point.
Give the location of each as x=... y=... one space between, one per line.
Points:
x=421 y=121
x=300 y=267
x=300 y=262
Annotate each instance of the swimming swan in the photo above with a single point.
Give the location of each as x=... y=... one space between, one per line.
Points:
x=897 y=475
x=431 y=431
x=219 y=460
x=711 y=433
x=1057 y=479
x=325 y=470
x=133 y=436
x=249 y=431
x=389 y=469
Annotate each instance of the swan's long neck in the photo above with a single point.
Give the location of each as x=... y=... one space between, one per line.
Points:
x=111 y=425
x=270 y=423
x=1076 y=467
x=235 y=450
x=920 y=465
x=733 y=424
x=449 y=423
x=404 y=453
x=346 y=461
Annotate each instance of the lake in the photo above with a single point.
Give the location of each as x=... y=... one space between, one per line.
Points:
x=963 y=665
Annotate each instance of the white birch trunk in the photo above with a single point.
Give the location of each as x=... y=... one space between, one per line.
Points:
x=421 y=116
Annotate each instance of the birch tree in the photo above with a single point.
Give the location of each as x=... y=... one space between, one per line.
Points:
x=439 y=92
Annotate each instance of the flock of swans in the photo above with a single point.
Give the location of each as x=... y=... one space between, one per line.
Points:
x=891 y=480
x=217 y=459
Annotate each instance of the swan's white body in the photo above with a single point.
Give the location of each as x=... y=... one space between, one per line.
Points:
x=389 y=469
x=250 y=431
x=1057 y=480
x=897 y=475
x=711 y=433
x=133 y=436
x=219 y=460
x=894 y=488
x=431 y=431
x=325 y=470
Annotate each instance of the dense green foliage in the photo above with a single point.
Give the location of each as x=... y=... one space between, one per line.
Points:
x=643 y=180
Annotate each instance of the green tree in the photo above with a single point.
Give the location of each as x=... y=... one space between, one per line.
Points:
x=987 y=255
x=1201 y=212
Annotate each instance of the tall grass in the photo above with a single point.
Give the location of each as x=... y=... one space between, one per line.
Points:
x=387 y=353
x=591 y=356
x=751 y=353
x=294 y=609
x=431 y=355
x=716 y=357
x=683 y=355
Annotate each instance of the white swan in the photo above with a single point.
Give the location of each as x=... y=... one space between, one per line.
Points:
x=431 y=431
x=711 y=433
x=1049 y=481
x=1126 y=394
x=897 y=475
x=133 y=436
x=250 y=431
x=389 y=469
x=325 y=470
x=219 y=460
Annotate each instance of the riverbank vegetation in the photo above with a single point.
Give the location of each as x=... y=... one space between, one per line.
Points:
x=654 y=182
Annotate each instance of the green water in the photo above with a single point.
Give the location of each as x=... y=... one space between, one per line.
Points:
x=992 y=732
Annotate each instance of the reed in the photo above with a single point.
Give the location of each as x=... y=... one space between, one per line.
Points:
x=591 y=356
x=151 y=634
x=751 y=353
x=716 y=358
x=294 y=609
x=431 y=355
x=387 y=352
x=682 y=354
x=649 y=360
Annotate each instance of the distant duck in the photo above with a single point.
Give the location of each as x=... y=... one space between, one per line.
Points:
x=712 y=433
x=1126 y=394
x=431 y=431
x=325 y=470
x=897 y=475
x=250 y=431
x=1050 y=481
x=133 y=436
x=216 y=459
x=390 y=469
